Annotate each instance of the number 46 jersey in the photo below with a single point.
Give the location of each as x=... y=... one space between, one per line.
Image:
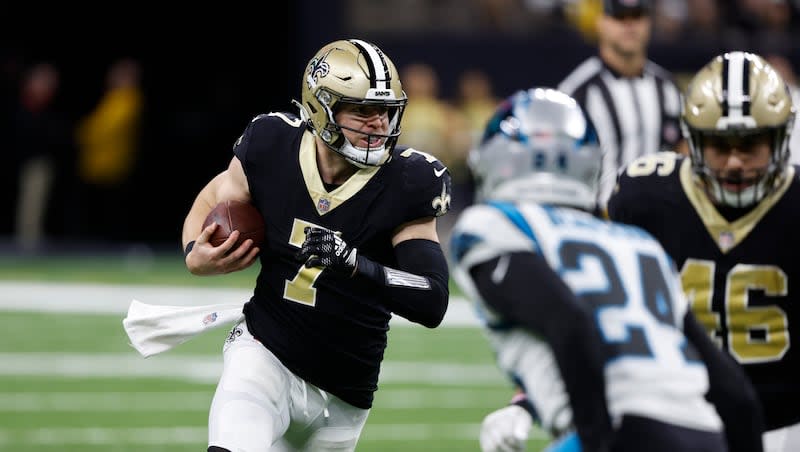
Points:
x=737 y=268
x=630 y=286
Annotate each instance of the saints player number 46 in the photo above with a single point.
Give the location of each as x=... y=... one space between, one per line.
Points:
x=768 y=324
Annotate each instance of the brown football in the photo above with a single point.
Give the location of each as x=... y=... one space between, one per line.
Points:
x=236 y=216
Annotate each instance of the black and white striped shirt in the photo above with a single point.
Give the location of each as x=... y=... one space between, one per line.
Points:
x=634 y=116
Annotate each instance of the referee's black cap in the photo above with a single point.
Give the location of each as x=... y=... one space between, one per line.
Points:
x=622 y=8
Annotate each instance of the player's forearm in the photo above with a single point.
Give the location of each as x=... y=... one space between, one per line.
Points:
x=206 y=199
x=193 y=223
x=584 y=380
x=554 y=313
x=418 y=290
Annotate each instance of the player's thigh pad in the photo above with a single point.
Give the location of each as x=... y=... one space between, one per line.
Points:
x=339 y=427
x=250 y=409
x=784 y=439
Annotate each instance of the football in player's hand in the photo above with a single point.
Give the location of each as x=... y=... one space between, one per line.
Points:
x=236 y=216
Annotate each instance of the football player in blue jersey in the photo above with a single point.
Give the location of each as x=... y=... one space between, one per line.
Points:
x=586 y=316
x=728 y=215
x=350 y=240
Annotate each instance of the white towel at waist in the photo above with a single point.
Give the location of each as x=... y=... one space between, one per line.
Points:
x=153 y=329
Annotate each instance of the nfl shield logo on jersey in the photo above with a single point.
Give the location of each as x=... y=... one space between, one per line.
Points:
x=323 y=205
x=726 y=240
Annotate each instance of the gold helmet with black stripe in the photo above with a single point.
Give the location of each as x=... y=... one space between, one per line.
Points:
x=352 y=71
x=736 y=99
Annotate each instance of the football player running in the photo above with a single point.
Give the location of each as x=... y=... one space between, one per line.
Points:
x=728 y=215
x=351 y=240
x=585 y=315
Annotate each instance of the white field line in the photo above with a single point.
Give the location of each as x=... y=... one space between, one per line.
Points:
x=115 y=299
x=194 y=401
x=143 y=402
x=427 y=432
x=195 y=435
x=207 y=369
x=57 y=436
x=105 y=402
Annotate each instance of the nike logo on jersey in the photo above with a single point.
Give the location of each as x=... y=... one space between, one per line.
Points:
x=439 y=173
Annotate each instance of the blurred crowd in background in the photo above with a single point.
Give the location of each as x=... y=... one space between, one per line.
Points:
x=735 y=22
x=105 y=148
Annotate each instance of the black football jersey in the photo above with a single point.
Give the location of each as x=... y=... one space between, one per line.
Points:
x=738 y=275
x=328 y=329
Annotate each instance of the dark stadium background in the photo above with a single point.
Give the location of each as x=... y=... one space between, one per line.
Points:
x=207 y=73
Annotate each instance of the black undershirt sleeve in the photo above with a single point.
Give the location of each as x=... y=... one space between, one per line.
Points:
x=532 y=296
x=418 y=289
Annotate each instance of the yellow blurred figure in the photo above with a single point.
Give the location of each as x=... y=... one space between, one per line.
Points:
x=425 y=121
x=583 y=14
x=476 y=101
x=430 y=122
x=108 y=137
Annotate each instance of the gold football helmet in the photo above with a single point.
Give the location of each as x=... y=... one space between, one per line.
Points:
x=735 y=96
x=355 y=72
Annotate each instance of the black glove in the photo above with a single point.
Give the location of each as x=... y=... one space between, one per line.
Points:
x=324 y=248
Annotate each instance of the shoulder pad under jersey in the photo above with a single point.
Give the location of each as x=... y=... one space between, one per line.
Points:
x=423 y=180
x=483 y=232
x=266 y=128
x=643 y=182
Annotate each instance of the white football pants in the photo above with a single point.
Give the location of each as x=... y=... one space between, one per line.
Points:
x=786 y=439
x=261 y=406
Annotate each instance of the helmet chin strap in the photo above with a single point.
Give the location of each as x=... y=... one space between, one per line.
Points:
x=362 y=158
x=304 y=116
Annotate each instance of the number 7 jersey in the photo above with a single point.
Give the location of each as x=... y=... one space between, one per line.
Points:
x=328 y=329
x=737 y=268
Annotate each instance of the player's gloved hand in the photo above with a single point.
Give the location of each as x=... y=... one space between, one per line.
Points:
x=567 y=443
x=506 y=430
x=324 y=248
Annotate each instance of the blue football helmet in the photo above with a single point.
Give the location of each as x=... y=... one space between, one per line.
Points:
x=539 y=146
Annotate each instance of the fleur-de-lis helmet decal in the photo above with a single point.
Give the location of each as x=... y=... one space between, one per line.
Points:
x=317 y=68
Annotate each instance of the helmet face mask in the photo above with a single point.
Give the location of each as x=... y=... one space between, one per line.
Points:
x=736 y=102
x=539 y=146
x=352 y=72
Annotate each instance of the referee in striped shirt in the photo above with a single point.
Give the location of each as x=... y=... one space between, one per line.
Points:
x=633 y=102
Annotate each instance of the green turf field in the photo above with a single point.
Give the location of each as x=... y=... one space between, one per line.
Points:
x=70 y=382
